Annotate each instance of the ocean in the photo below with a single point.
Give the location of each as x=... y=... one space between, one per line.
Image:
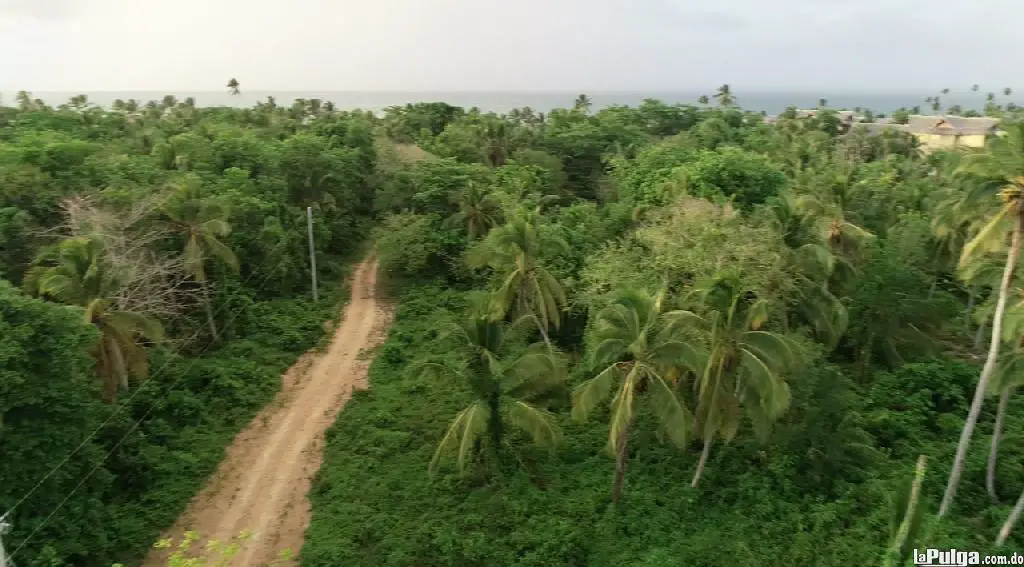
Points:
x=501 y=102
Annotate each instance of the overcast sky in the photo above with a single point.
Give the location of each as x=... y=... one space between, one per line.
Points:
x=523 y=45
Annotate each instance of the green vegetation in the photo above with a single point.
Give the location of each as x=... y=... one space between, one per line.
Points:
x=162 y=258
x=769 y=329
x=662 y=335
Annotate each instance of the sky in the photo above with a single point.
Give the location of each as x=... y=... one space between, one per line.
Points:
x=491 y=45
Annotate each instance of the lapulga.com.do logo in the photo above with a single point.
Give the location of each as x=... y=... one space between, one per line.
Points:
x=954 y=558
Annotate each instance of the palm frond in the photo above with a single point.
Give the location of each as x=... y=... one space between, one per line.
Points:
x=989 y=238
x=589 y=394
x=461 y=436
x=539 y=424
x=672 y=414
x=623 y=408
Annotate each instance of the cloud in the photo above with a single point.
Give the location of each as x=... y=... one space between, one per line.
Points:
x=58 y=10
x=451 y=45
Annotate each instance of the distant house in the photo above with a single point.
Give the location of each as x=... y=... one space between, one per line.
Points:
x=941 y=132
x=875 y=128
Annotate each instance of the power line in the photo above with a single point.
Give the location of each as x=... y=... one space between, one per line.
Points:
x=121 y=406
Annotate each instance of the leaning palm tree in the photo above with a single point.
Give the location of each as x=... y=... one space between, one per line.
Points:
x=514 y=252
x=478 y=212
x=503 y=387
x=1011 y=520
x=73 y=273
x=745 y=365
x=640 y=351
x=1007 y=378
x=202 y=222
x=1003 y=161
x=909 y=516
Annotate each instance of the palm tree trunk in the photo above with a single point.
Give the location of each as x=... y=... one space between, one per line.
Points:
x=971 y=298
x=895 y=554
x=987 y=370
x=993 y=453
x=495 y=425
x=1004 y=532
x=980 y=335
x=209 y=314
x=621 y=459
x=703 y=461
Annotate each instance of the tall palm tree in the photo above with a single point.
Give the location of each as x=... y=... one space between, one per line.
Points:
x=1003 y=161
x=583 y=103
x=514 y=251
x=1007 y=378
x=74 y=273
x=703 y=99
x=744 y=367
x=724 y=96
x=202 y=222
x=478 y=212
x=234 y=87
x=503 y=388
x=640 y=350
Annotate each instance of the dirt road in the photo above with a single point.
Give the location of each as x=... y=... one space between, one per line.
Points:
x=261 y=485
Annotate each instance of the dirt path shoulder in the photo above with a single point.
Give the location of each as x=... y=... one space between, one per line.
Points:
x=263 y=482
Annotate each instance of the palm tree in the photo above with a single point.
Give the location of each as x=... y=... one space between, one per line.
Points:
x=744 y=366
x=1008 y=377
x=909 y=517
x=724 y=96
x=822 y=103
x=233 y=87
x=1004 y=161
x=502 y=386
x=1007 y=91
x=703 y=99
x=813 y=265
x=202 y=222
x=974 y=88
x=496 y=139
x=74 y=273
x=945 y=91
x=1011 y=520
x=828 y=212
x=478 y=212
x=527 y=287
x=640 y=350
x=582 y=102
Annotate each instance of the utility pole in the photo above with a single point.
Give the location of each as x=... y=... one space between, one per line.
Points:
x=4 y=528
x=312 y=262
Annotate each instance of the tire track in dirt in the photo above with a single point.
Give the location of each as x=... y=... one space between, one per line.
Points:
x=263 y=482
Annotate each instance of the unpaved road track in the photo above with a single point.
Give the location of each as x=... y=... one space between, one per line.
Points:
x=262 y=484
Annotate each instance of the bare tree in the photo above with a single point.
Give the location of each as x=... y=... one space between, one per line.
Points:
x=151 y=280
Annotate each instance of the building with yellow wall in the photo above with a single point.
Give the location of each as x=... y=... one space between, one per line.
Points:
x=944 y=132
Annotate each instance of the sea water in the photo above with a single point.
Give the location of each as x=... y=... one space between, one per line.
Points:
x=501 y=102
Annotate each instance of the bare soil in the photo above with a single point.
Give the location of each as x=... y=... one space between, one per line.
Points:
x=262 y=484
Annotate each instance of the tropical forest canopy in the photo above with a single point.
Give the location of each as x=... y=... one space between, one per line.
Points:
x=673 y=334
